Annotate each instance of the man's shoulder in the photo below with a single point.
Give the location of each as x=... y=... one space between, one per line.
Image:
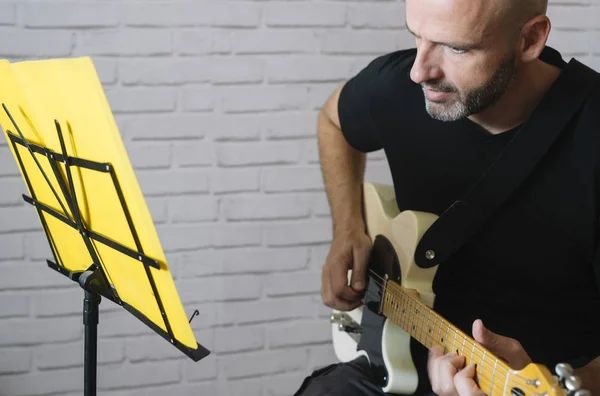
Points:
x=392 y=63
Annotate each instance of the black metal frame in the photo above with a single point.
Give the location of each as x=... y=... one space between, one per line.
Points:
x=94 y=281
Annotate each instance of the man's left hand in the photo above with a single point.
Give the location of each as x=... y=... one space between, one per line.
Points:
x=448 y=375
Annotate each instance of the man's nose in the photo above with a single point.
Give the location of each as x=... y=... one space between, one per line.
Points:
x=426 y=66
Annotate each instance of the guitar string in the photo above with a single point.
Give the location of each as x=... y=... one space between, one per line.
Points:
x=485 y=370
x=465 y=338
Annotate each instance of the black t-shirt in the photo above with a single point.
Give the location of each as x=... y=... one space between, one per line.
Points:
x=528 y=273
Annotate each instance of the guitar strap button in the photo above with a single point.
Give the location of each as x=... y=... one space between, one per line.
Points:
x=430 y=254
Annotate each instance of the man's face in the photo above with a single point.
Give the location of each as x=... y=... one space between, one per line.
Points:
x=463 y=63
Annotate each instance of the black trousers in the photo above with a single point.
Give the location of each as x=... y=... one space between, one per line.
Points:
x=342 y=379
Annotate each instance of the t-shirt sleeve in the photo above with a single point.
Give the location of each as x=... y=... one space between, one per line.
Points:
x=354 y=109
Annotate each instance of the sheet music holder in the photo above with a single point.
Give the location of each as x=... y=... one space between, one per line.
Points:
x=62 y=134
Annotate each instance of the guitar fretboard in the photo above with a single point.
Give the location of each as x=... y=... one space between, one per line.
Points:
x=429 y=328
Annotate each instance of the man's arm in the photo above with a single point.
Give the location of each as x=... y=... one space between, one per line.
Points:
x=343 y=170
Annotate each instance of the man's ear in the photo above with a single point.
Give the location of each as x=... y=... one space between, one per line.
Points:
x=534 y=35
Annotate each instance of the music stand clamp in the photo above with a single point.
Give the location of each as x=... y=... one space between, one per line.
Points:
x=94 y=280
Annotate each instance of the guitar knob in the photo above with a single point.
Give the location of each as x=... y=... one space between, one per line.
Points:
x=583 y=392
x=573 y=383
x=349 y=329
x=563 y=370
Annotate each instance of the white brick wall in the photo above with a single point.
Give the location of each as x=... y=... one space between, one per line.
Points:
x=217 y=103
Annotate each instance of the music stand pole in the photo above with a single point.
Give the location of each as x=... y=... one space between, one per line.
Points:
x=92 y=284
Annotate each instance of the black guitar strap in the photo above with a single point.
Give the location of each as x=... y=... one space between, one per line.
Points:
x=512 y=166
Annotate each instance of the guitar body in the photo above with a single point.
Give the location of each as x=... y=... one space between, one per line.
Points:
x=398 y=307
x=395 y=236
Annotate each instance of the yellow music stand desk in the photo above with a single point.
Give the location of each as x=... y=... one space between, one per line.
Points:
x=64 y=138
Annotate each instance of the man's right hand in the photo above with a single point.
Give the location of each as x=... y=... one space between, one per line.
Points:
x=348 y=251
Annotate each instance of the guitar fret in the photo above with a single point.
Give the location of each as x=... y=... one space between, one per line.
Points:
x=493 y=374
x=482 y=362
x=446 y=338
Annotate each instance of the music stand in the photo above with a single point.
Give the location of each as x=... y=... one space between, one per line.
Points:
x=88 y=200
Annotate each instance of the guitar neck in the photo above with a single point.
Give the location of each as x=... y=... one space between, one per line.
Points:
x=429 y=328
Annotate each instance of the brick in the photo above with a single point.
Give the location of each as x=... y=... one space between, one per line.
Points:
x=149 y=155
x=136 y=100
x=245 y=99
x=142 y=374
x=319 y=93
x=577 y=42
x=307 y=69
x=122 y=323
x=197 y=98
x=265 y=42
x=300 y=178
x=299 y=333
x=286 y=284
x=168 y=126
x=152 y=348
x=272 y=362
x=12 y=192
x=209 y=262
x=211 y=315
x=8 y=14
x=205 y=388
x=377 y=15
x=70 y=355
x=191 y=209
x=202 y=41
x=20 y=332
x=13 y=305
x=106 y=69
x=318 y=255
x=205 y=369
x=164 y=71
x=25 y=275
x=250 y=312
x=268 y=153
x=355 y=42
x=70 y=15
x=573 y=16
x=166 y=14
x=290 y=125
x=240 y=339
x=36 y=43
x=37 y=246
x=129 y=42
x=158 y=210
x=237 y=70
x=305 y=14
x=222 y=288
x=14 y=361
x=265 y=208
x=52 y=303
x=186 y=237
x=12 y=245
x=238 y=127
x=241 y=387
x=190 y=181
x=8 y=163
x=235 y=14
x=321 y=355
x=42 y=383
x=224 y=181
x=19 y=218
x=306 y=232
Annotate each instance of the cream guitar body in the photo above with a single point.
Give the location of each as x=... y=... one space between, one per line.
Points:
x=397 y=306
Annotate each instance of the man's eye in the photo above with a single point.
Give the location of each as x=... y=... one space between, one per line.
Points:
x=458 y=50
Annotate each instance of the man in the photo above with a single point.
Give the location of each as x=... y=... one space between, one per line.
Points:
x=442 y=112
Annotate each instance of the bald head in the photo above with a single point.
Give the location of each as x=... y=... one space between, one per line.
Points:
x=520 y=11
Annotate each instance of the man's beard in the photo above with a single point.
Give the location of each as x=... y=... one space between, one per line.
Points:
x=474 y=101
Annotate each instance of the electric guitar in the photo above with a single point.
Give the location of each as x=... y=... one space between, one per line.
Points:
x=398 y=306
